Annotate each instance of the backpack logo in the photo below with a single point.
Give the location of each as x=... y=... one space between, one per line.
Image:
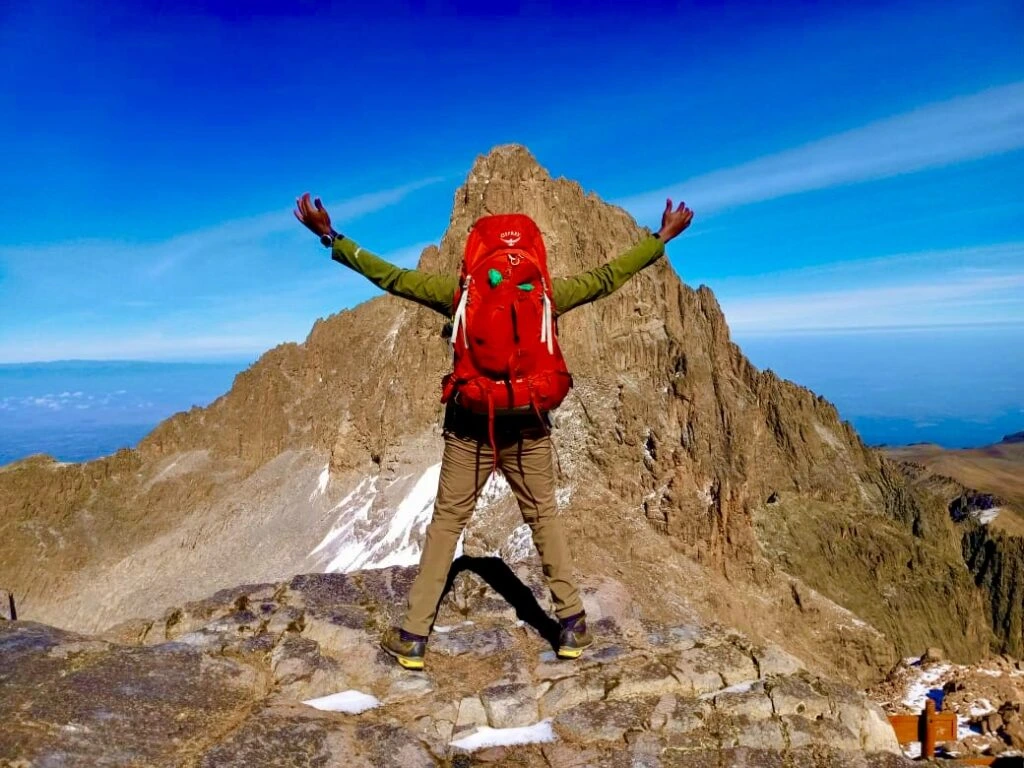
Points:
x=510 y=237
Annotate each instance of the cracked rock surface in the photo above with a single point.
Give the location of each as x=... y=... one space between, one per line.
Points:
x=222 y=681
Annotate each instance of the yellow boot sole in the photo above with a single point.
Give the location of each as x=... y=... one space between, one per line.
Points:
x=569 y=653
x=404 y=661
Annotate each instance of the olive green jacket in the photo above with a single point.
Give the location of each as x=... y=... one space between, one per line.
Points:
x=438 y=291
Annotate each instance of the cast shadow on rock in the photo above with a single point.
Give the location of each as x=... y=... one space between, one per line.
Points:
x=499 y=577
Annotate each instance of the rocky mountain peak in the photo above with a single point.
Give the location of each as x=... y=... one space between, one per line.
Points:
x=508 y=179
x=507 y=164
x=683 y=471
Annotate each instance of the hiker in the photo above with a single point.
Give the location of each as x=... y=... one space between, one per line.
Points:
x=507 y=377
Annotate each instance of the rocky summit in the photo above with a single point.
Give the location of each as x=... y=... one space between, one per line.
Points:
x=289 y=674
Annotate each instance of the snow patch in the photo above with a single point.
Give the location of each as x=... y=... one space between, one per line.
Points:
x=965 y=729
x=392 y=333
x=505 y=737
x=399 y=479
x=351 y=702
x=855 y=622
x=360 y=544
x=321 y=483
x=460 y=545
x=445 y=629
x=917 y=691
x=519 y=544
x=182 y=464
x=986 y=516
x=495 y=489
x=981 y=707
x=562 y=497
x=351 y=509
x=741 y=687
x=414 y=512
x=365 y=534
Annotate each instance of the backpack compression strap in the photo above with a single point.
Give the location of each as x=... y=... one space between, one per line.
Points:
x=547 y=326
x=459 y=320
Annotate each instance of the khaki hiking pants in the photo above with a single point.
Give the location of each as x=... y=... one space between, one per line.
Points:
x=527 y=464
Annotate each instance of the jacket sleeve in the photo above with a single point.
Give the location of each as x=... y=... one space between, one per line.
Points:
x=431 y=290
x=570 y=292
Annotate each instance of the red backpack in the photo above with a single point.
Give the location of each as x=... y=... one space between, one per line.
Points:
x=503 y=335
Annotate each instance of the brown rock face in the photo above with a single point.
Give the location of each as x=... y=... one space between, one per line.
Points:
x=671 y=446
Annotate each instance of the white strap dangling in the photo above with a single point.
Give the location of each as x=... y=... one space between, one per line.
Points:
x=460 y=315
x=547 y=326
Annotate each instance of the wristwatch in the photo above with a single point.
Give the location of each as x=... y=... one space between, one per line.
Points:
x=328 y=239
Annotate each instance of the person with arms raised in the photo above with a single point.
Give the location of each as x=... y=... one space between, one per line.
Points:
x=508 y=375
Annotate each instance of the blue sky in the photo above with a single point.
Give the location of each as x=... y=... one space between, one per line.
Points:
x=852 y=165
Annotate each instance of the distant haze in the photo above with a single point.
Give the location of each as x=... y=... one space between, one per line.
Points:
x=79 y=410
x=954 y=387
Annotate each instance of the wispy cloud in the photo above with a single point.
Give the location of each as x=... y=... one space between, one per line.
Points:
x=238 y=288
x=54 y=402
x=965 y=302
x=144 y=344
x=213 y=325
x=256 y=229
x=947 y=132
x=209 y=244
x=957 y=287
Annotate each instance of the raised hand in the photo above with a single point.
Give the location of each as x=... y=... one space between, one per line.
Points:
x=674 y=222
x=313 y=215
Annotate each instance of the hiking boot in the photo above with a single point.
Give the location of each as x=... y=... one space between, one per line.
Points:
x=574 y=636
x=404 y=646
